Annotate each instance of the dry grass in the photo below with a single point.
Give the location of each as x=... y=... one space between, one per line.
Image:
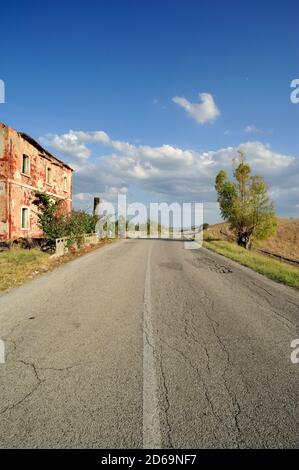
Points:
x=285 y=242
x=19 y=265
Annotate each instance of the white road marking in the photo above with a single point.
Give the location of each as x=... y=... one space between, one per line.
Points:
x=151 y=423
x=2 y=352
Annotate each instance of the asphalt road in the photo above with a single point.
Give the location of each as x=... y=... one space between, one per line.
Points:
x=146 y=344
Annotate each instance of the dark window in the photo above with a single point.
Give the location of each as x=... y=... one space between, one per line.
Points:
x=49 y=175
x=25 y=217
x=25 y=165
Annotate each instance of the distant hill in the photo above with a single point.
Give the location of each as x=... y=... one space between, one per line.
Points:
x=285 y=242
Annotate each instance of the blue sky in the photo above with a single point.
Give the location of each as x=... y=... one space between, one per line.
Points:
x=124 y=68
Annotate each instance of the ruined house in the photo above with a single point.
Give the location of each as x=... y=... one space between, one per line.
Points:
x=25 y=168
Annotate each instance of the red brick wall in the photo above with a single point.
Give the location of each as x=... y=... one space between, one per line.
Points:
x=17 y=190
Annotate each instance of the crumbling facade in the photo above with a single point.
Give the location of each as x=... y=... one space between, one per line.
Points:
x=26 y=168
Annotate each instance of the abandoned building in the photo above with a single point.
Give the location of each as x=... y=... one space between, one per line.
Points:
x=25 y=168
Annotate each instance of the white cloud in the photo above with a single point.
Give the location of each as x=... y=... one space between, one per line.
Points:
x=251 y=129
x=166 y=172
x=74 y=144
x=69 y=144
x=82 y=196
x=264 y=160
x=203 y=112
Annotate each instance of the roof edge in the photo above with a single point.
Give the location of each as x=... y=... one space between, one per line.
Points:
x=37 y=145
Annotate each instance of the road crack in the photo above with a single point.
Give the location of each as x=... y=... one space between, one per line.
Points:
x=37 y=385
x=166 y=395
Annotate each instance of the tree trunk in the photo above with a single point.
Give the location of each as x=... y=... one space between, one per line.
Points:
x=244 y=240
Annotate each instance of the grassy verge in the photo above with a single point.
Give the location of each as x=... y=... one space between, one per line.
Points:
x=273 y=269
x=19 y=265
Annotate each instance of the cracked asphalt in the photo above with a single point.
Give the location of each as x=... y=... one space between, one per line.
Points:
x=76 y=362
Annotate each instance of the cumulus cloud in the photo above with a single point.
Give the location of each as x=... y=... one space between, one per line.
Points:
x=68 y=144
x=167 y=172
x=205 y=111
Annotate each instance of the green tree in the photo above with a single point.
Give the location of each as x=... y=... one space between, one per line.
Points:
x=245 y=204
x=56 y=223
x=50 y=216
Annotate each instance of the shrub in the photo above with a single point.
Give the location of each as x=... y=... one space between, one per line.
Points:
x=55 y=223
x=50 y=216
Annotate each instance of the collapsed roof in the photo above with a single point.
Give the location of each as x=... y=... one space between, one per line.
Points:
x=37 y=145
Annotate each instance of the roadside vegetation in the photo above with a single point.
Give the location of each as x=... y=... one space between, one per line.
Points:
x=55 y=223
x=19 y=265
x=275 y=270
x=284 y=242
x=249 y=220
x=245 y=204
